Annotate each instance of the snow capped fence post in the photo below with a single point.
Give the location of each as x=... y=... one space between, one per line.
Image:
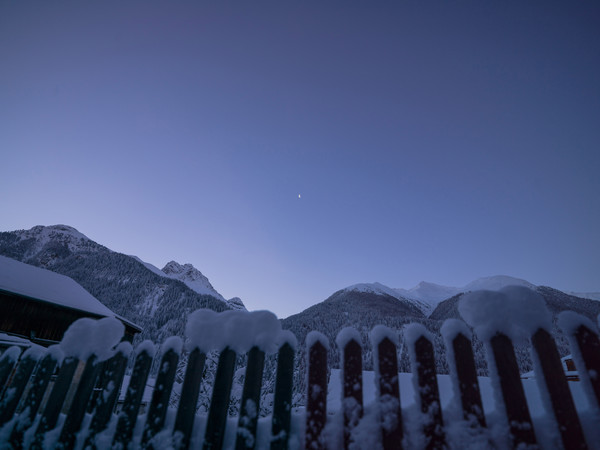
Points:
x=507 y=371
x=80 y=401
x=8 y=361
x=219 y=403
x=384 y=342
x=34 y=397
x=92 y=341
x=348 y=342
x=13 y=392
x=462 y=366
x=282 y=403
x=316 y=398
x=420 y=348
x=114 y=371
x=155 y=419
x=250 y=404
x=55 y=401
x=558 y=390
x=585 y=347
x=133 y=397
x=184 y=422
x=498 y=316
x=550 y=375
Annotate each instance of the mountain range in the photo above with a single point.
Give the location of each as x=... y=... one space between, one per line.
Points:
x=159 y=300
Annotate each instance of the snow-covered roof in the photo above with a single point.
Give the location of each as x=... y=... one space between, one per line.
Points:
x=42 y=284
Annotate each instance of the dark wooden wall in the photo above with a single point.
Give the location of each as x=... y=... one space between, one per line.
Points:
x=43 y=322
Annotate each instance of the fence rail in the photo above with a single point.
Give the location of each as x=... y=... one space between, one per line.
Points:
x=30 y=405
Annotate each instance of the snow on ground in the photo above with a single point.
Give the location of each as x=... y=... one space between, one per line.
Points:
x=369 y=427
x=407 y=393
x=545 y=429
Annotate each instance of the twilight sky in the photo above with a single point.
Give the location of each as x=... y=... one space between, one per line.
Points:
x=290 y=149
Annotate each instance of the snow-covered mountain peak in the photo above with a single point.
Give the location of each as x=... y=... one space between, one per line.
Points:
x=49 y=239
x=373 y=288
x=183 y=271
x=192 y=277
x=57 y=232
x=431 y=291
x=495 y=283
x=236 y=303
x=381 y=289
x=428 y=295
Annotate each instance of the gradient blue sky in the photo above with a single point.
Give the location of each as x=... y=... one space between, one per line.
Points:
x=439 y=141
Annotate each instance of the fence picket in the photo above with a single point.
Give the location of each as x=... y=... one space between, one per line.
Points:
x=184 y=422
x=558 y=390
x=133 y=399
x=13 y=392
x=8 y=361
x=352 y=401
x=389 y=395
x=282 y=403
x=114 y=371
x=78 y=407
x=429 y=393
x=589 y=346
x=219 y=403
x=316 y=401
x=155 y=419
x=55 y=402
x=32 y=401
x=470 y=396
x=250 y=405
x=517 y=411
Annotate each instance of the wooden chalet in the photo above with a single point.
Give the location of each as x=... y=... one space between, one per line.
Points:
x=39 y=305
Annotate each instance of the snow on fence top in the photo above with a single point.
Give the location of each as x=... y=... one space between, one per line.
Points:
x=87 y=336
x=515 y=311
x=316 y=336
x=570 y=321
x=11 y=354
x=452 y=328
x=346 y=335
x=413 y=332
x=380 y=332
x=172 y=343
x=34 y=352
x=287 y=337
x=42 y=284
x=146 y=346
x=239 y=330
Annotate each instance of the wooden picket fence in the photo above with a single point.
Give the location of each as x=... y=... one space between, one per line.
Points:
x=24 y=385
